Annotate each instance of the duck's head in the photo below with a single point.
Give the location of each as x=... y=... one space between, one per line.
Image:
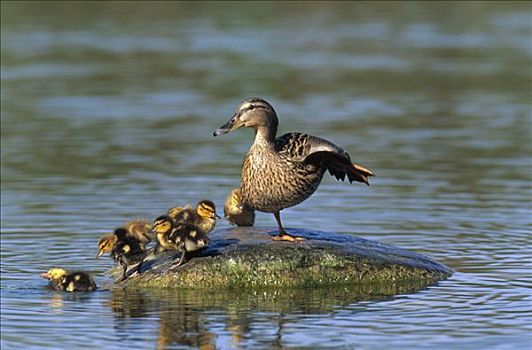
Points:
x=162 y=225
x=54 y=274
x=253 y=112
x=207 y=209
x=106 y=244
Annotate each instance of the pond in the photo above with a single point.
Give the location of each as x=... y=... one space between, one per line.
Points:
x=108 y=110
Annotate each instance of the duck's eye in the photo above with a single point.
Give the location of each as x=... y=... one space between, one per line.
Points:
x=251 y=107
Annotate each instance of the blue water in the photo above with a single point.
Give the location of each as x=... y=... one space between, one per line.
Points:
x=108 y=111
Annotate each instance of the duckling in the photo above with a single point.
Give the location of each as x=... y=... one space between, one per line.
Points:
x=62 y=280
x=235 y=212
x=106 y=244
x=127 y=251
x=188 y=238
x=174 y=211
x=162 y=227
x=182 y=237
x=140 y=229
x=203 y=216
x=280 y=172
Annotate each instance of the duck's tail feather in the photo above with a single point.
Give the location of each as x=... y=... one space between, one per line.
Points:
x=353 y=171
x=359 y=173
x=339 y=165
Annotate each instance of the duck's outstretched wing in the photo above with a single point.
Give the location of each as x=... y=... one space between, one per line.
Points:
x=314 y=150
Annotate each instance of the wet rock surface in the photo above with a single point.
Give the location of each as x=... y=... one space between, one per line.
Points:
x=247 y=257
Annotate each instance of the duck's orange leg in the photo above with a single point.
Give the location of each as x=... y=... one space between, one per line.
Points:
x=283 y=235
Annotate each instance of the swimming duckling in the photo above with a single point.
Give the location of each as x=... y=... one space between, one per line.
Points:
x=61 y=279
x=203 y=216
x=140 y=229
x=235 y=212
x=106 y=244
x=280 y=172
x=162 y=227
x=127 y=251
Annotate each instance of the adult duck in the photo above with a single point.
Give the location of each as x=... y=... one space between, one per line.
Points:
x=280 y=172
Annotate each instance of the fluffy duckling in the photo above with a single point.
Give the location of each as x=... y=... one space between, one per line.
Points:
x=106 y=244
x=279 y=172
x=163 y=227
x=203 y=216
x=188 y=238
x=236 y=212
x=140 y=229
x=61 y=279
x=127 y=251
x=174 y=211
x=182 y=237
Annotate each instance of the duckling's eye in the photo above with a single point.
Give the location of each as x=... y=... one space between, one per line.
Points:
x=251 y=107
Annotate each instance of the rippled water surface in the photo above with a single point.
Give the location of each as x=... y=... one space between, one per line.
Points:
x=108 y=111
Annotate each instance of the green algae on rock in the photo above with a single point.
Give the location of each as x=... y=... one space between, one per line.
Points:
x=247 y=257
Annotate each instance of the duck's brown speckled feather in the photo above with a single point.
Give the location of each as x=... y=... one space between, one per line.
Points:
x=278 y=177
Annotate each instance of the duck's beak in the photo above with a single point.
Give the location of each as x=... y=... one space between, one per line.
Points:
x=100 y=253
x=45 y=275
x=227 y=127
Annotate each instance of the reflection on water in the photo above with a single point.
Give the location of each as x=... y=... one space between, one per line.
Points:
x=107 y=112
x=192 y=317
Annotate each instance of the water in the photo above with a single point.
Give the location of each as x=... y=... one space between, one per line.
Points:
x=108 y=111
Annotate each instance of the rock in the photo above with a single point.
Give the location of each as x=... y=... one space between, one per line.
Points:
x=247 y=257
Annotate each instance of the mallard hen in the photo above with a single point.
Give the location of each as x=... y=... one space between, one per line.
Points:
x=280 y=172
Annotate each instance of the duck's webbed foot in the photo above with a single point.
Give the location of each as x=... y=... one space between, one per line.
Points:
x=283 y=236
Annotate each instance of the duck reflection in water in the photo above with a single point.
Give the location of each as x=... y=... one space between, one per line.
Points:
x=184 y=325
x=191 y=319
x=178 y=324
